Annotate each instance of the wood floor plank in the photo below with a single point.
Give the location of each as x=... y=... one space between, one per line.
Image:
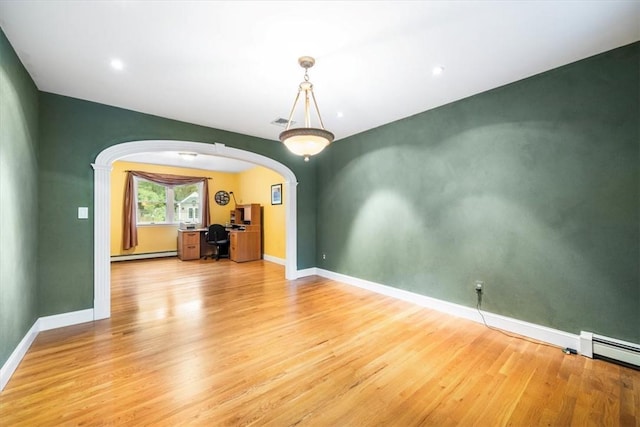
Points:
x=220 y=343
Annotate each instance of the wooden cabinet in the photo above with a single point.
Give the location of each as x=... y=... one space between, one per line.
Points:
x=188 y=245
x=247 y=214
x=246 y=245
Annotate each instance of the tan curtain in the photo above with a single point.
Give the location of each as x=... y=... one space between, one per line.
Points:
x=206 y=212
x=130 y=237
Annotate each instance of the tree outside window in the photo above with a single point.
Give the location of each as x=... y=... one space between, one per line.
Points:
x=161 y=204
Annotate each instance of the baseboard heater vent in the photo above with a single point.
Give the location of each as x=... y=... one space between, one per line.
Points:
x=601 y=347
x=143 y=256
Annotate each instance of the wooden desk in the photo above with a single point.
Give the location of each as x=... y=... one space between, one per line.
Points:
x=244 y=245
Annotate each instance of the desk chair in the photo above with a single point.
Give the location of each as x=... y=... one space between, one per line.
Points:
x=218 y=237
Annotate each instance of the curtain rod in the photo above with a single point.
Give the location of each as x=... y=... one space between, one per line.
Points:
x=190 y=176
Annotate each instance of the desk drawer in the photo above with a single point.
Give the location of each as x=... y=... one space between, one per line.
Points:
x=191 y=238
x=190 y=252
x=188 y=245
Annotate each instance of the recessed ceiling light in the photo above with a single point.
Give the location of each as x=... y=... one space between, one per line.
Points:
x=117 y=64
x=340 y=114
x=438 y=70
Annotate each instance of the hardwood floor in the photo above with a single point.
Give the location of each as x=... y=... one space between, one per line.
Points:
x=220 y=343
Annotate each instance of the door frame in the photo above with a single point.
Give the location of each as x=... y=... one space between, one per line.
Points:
x=102 y=205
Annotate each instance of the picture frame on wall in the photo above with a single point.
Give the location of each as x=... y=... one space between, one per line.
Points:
x=276 y=194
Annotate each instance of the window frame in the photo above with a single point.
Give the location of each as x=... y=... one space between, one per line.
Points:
x=170 y=209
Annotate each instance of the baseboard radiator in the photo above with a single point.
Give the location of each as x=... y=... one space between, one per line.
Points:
x=143 y=256
x=601 y=347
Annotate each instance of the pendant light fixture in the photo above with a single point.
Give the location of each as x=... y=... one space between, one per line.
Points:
x=306 y=141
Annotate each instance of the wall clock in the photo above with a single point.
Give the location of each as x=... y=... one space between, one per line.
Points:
x=222 y=197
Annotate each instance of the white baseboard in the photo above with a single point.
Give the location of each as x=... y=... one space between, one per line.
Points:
x=541 y=333
x=65 y=319
x=273 y=259
x=16 y=357
x=143 y=256
x=313 y=271
x=42 y=324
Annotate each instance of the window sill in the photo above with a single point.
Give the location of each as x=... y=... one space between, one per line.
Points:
x=159 y=224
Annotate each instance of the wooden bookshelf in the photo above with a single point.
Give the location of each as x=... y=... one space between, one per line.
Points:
x=246 y=241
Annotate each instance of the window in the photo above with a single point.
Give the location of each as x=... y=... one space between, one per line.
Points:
x=162 y=204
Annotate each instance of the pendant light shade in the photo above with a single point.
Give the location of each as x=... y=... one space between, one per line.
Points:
x=306 y=141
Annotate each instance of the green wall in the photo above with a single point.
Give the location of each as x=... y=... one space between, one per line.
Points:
x=73 y=132
x=532 y=187
x=19 y=200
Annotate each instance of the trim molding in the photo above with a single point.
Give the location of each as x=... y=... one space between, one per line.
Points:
x=41 y=324
x=273 y=259
x=538 y=332
x=65 y=319
x=313 y=271
x=16 y=357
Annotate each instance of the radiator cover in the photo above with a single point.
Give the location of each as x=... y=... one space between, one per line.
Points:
x=599 y=346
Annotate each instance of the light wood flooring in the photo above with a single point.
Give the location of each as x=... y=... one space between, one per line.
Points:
x=218 y=343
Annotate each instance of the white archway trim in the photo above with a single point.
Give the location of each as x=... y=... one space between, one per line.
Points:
x=102 y=205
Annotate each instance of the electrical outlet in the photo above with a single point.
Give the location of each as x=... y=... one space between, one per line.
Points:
x=479 y=285
x=324 y=256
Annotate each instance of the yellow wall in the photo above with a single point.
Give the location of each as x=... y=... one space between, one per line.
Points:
x=160 y=238
x=251 y=186
x=255 y=187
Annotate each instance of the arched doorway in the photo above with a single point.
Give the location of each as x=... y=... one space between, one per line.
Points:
x=102 y=201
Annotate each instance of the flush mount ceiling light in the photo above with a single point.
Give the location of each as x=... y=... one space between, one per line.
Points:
x=306 y=141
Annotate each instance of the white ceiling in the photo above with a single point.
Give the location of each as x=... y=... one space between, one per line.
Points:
x=232 y=65
x=193 y=161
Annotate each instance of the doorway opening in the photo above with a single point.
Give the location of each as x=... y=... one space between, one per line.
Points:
x=102 y=202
